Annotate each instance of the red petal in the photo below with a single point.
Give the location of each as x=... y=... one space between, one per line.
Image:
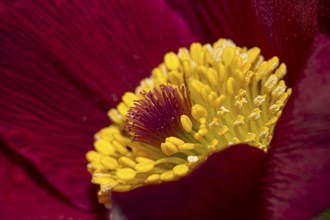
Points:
x=224 y=187
x=298 y=170
x=281 y=28
x=23 y=196
x=63 y=64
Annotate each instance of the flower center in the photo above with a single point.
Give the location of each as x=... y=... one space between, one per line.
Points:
x=198 y=101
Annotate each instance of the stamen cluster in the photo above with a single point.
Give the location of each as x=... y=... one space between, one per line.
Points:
x=196 y=102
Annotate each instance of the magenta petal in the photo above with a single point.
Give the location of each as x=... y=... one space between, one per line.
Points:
x=25 y=197
x=63 y=64
x=296 y=184
x=109 y=45
x=224 y=187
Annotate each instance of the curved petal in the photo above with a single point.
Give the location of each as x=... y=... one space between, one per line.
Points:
x=296 y=184
x=23 y=197
x=281 y=28
x=223 y=187
x=63 y=64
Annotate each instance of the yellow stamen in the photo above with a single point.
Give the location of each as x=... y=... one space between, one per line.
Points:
x=235 y=96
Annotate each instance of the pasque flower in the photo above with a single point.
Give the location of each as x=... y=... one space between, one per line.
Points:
x=65 y=64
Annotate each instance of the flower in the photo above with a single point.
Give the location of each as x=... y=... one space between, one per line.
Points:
x=63 y=67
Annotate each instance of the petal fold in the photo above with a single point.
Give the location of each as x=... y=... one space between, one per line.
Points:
x=223 y=187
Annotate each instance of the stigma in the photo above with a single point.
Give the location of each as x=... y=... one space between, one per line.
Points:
x=199 y=101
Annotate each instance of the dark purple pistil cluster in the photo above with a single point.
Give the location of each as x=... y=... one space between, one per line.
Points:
x=157 y=115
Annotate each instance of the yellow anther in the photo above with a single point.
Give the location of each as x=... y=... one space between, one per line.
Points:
x=104 y=147
x=119 y=147
x=223 y=130
x=186 y=123
x=198 y=111
x=144 y=167
x=275 y=107
x=175 y=77
x=205 y=91
x=169 y=148
x=212 y=77
x=211 y=98
x=279 y=90
x=192 y=159
x=129 y=98
x=195 y=50
x=171 y=61
x=248 y=77
x=98 y=179
x=239 y=120
x=273 y=63
x=157 y=73
x=230 y=85
x=262 y=71
x=281 y=71
x=239 y=102
x=255 y=114
x=250 y=137
x=236 y=64
x=109 y=162
x=184 y=54
x=235 y=140
x=175 y=140
x=197 y=136
x=126 y=174
x=180 y=170
x=97 y=165
x=121 y=139
x=125 y=161
x=202 y=132
x=143 y=160
x=186 y=146
x=153 y=178
x=264 y=132
x=227 y=55
x=271 y=121
x=93 y=156
x=253 y=53
x=271 y=82
x=222 y=73
x=259 y=100
x=167 y=176
x=122 y=108
x=122 y=188
x=223 y=110
x=214 y=123
x=115 y=116
x=187 y=68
